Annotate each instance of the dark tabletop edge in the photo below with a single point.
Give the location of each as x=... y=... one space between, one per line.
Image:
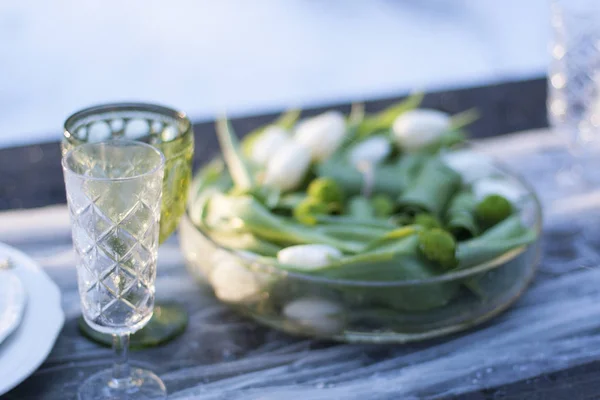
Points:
x=30 y=176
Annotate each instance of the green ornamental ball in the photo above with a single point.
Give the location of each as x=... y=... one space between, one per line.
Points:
x=326 y=190
x=308 y=209
x=438 y=246
x=493 y=209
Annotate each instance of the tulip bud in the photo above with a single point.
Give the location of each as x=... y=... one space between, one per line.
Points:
x=287 y=168
x=308 y=256
x=231 y=280
x=371 y=151
x=416 y=129
x=322 y=134
x=268 y=144
x=319 y=315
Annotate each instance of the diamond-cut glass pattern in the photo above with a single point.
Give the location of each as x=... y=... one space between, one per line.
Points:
x=115 y=234
x=170 y=134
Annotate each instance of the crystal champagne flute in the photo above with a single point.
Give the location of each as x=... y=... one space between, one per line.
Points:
x=114 y=194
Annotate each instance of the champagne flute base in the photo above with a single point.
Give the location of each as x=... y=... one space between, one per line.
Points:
x=142 y=384
x=168 y=322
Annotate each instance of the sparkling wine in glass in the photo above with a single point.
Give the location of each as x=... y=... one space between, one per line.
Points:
x=114 y=194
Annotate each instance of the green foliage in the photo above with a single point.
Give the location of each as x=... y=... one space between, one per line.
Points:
x=383 y=205
x=427 y=221
x=421 y=221
x=431 y=190
x=464 y=118
x=244 y=212
x=308 y=209
x=238 y=167
x=360 y=207
x=383 y=120
x=460 y=215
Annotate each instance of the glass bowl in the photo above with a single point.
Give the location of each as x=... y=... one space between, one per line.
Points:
x=367 y=312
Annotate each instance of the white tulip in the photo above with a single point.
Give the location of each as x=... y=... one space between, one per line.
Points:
x=469 y=164
x=322 y=316
x=268 y=144
x=287 y=168
x=308 y=256
x=371 y=151
x=416 y=129
x=232 y=281
x=509 y=190
x=322 y=134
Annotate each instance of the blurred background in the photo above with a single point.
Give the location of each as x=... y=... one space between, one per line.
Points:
x=249 y=57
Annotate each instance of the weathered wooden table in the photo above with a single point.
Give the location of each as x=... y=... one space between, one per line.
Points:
x=545 y=347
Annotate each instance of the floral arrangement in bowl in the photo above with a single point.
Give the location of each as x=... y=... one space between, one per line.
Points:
x=366 y=227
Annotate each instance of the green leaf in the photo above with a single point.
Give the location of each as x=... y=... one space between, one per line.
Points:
x=372 y=265
x=248 y=214
x=383 y=205
x=357 y=113
x=383 y=120
x=212 y=178
x=358 y=233
x=431 y=190
x=288 y=119
x=460 y=215
x=390 y=179
x=464 y=118
x=350 y=221
x=447 y=140
x=289 y=201
x=238 y=167
x=399 y=260
x=244 y=241
x=427 y=221
x=208 y=175
x=508 y=235
x=307 y=210
x=361 y=208
x=353 y=121
x=392 y=241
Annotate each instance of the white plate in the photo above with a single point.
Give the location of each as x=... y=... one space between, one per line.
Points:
x=29 y=345
x=12 y=302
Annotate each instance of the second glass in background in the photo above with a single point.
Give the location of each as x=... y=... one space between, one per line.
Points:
x=574 y=83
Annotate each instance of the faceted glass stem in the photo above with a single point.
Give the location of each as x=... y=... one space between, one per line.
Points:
x=121 y=371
